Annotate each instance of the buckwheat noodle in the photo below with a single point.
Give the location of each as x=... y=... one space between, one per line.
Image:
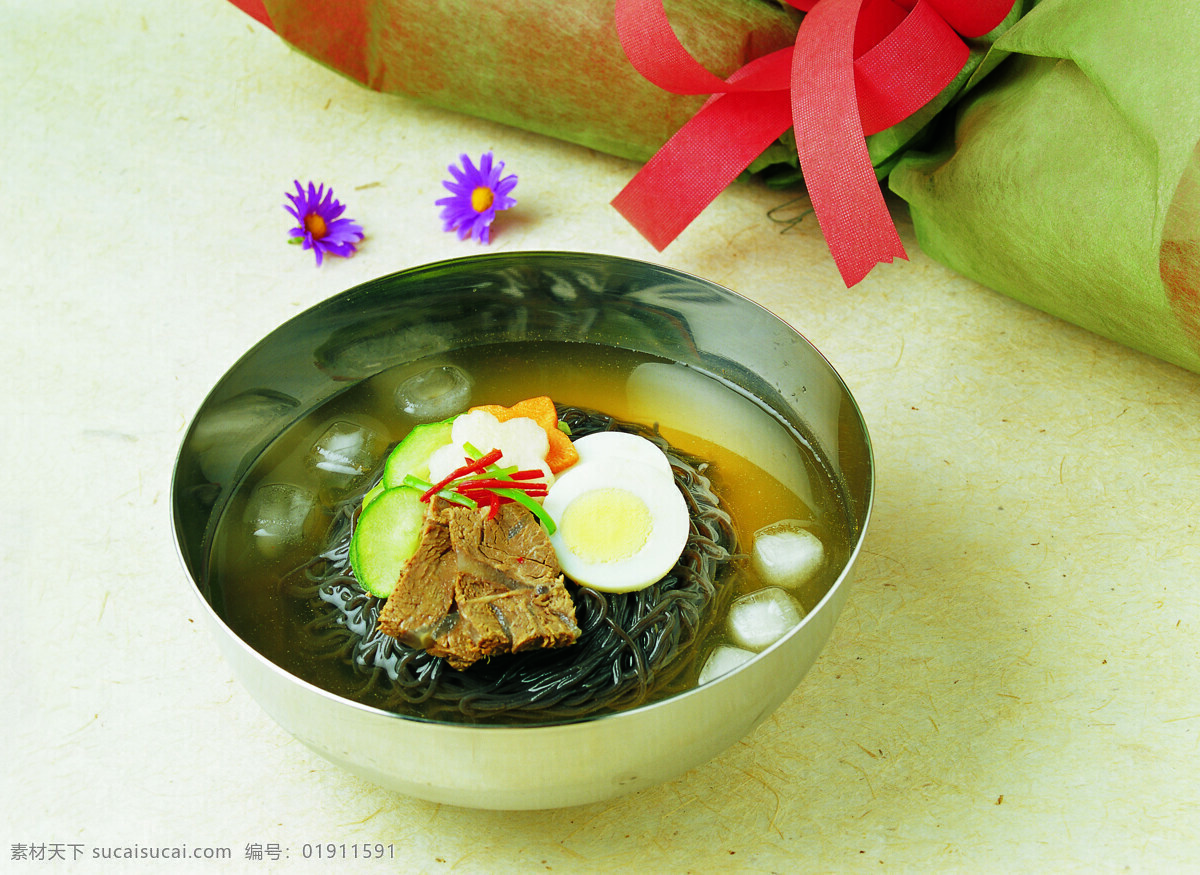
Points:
x=631 y=645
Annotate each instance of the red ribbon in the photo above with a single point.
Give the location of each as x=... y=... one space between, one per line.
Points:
x=256 y=9
x=858 y=67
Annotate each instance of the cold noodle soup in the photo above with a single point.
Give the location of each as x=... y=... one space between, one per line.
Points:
x=769 y=536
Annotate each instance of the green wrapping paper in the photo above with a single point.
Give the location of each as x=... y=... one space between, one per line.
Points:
x=540 y=65
x=559 y=69
x=1072 y=178
x=1060 y=167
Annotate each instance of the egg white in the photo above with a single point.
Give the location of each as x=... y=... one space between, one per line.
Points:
x=622 y=445
x=664 y=542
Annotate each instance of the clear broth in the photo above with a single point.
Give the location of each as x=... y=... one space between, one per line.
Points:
x=246 y=580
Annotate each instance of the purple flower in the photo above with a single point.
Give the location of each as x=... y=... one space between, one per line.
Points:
x=320 y=228
x=478 y=194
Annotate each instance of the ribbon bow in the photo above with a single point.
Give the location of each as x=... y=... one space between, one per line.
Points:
x=858 y=67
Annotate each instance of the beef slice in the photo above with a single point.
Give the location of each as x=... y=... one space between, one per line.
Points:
x=478 y=588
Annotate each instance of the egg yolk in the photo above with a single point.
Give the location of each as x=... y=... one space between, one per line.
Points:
x=606 y=525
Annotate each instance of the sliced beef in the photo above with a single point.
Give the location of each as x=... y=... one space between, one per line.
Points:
x=424 y=593
x=512 y=547
x=477 y=588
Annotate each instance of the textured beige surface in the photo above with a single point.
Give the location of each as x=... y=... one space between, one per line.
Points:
x=1013 y=685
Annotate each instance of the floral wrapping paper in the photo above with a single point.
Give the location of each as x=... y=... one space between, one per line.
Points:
x=1061 y=166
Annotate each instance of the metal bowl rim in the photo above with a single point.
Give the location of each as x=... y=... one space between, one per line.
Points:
x=526 y=728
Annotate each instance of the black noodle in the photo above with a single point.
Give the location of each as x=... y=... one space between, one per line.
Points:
x=631 y=645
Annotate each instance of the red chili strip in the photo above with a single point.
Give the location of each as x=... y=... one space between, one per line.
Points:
x=475 y=467
x=486 y=496
x=491 y=501
x=494 y=483
x=527 y=474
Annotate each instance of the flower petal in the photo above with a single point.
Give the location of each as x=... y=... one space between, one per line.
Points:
x=458 y=213
x=340 y=234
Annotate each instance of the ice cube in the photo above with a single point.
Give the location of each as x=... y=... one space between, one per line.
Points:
x=787 y=554
x=758 y=620
x=723 y=660
x=346 y=453
x=434 y=394
x=277 y=515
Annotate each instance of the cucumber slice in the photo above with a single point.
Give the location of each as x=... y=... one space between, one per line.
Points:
x=373 y=493
x=386 y=537
x=411 y=455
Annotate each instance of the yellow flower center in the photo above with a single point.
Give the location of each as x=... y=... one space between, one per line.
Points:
x=315 y=225
x=481 y=198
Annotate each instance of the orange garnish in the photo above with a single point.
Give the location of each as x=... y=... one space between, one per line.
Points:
x=562 y=454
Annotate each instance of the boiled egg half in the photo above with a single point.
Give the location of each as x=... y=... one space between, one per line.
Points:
x=621 y=521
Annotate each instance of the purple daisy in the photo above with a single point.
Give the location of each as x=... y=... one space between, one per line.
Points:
x=478 y=194
x=320 y=228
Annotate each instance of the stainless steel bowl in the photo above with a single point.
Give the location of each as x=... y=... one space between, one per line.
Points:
x=505 y=298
